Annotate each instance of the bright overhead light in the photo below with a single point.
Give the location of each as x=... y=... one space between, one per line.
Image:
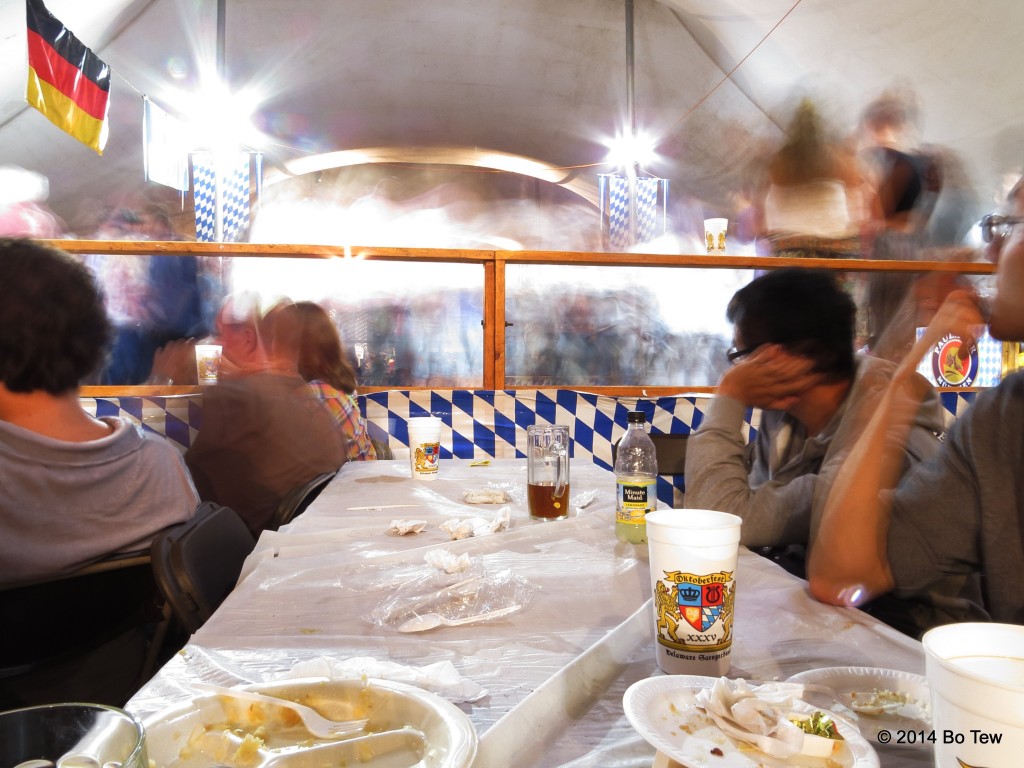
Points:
x=631 y=150
x=218 y=119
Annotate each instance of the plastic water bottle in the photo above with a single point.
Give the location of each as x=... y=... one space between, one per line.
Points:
x=636 y=477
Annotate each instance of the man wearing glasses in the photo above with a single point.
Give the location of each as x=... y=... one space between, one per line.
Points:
x=793 y=358
x=948 y=539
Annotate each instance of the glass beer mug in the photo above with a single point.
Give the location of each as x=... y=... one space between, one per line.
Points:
x=547 y=471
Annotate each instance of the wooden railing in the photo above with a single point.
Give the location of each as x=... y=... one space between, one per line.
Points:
x=494 y=265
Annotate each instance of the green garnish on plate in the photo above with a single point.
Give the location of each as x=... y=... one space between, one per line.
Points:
x=818 y=724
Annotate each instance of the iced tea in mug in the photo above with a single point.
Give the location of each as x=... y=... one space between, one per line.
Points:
x=547 y=500
x=547 y=471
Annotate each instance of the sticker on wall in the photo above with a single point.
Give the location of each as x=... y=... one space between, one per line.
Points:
x=948 y=365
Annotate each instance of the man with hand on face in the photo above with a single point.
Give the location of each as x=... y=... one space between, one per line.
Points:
x=793 y=359
x=947 y=541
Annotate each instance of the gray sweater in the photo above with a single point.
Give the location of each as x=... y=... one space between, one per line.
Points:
x=64 y=505
x=956 y=538
x=779 y=482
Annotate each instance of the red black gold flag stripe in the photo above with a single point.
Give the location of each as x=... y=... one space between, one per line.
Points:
x=66 y=81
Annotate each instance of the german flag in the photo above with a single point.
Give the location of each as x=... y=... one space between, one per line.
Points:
x=67 y=82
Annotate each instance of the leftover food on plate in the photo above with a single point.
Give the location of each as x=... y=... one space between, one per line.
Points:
x=877 y=698
x=407 y=726
x=694 y=720
x=878 y=701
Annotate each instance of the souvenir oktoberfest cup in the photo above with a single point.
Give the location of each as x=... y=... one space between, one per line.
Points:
x=424 y=446
x=976 y=677
x=714 y=234
x=547 y=471
x=207 y=362
x=693 y=580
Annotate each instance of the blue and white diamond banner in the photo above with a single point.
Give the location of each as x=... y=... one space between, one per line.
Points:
x=651 y=199
x=222 y=193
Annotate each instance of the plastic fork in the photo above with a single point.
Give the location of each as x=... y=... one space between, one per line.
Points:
x=314 y=722
x=421 y=622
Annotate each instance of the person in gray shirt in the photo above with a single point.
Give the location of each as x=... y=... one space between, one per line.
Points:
x=73 y=488
x=793 y=358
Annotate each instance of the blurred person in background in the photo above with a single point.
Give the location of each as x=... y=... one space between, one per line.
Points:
x=175 y=300
x=925 y=294
x=125 y=283
x=307 y=327
x=23 y=208
x=948 y=541
x=906 y=183
x=793 y=358
x=814 y=200
x=263 y=431
x=152 y=300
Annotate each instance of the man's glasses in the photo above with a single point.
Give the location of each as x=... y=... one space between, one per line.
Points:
x=994 y=226
x=734 y=355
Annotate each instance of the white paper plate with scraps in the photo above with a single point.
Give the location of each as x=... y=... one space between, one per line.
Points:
x=880 y=699
x=407 y=727
x=663 y=710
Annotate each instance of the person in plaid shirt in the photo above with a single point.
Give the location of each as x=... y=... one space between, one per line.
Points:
x=322 y=363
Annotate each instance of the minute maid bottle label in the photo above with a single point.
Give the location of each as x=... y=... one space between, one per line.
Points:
x=695 y=611
x=635 y=499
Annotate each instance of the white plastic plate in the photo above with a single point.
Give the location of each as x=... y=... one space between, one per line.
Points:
x=407 y=727
x=663 y=710
x=903 y=725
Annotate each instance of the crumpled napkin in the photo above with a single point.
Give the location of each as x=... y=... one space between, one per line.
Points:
x=441 y=677
x=486 y=496
x=445 y=561
x=755 y=714
x=402 y=527
x=477 y=526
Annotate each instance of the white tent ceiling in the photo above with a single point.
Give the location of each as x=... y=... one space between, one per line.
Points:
x=451 y=80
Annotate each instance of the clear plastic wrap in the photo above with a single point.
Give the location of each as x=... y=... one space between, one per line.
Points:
x=454 y=597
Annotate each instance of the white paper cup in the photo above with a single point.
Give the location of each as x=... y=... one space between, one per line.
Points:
x=693 y=580
x=424 y=446
x=207 y=362
x=976 y=675
x=714 y=234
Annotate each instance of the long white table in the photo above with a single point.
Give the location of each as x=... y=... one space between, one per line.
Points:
x=555 y=671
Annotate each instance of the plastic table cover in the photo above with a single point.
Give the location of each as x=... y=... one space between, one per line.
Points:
x=555 y=672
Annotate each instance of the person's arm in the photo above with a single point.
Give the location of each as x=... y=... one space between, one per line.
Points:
x=848 y=562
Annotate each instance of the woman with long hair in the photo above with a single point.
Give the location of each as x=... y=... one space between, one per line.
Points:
x=321 y=362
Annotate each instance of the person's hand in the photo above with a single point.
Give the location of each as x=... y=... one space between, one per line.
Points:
x=769 y=377
x=174 y=363
x=961 y=314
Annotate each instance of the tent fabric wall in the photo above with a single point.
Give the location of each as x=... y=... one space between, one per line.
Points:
x=714 y=80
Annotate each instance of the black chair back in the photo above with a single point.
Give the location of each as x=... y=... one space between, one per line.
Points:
x=670 y=450
x=82 y=636
x=197 y=563
x=295 y=503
